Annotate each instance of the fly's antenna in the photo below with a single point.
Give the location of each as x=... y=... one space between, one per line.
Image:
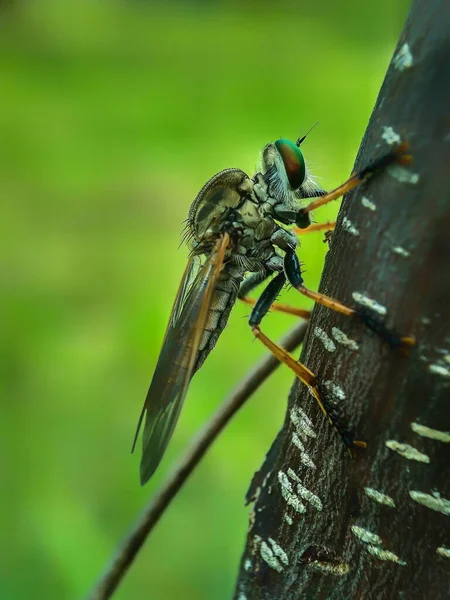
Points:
x=302 y=139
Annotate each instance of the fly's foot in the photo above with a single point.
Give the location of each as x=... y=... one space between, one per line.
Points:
x=334 y=413
x=392 y=337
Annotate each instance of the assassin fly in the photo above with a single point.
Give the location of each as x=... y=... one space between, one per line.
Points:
x=237 y=239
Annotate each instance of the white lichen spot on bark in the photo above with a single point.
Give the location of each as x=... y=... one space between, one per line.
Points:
x=348 y=226
x=323 y=337
x=302 y=423
x=390 y=137
x=369 y=303
x=288 y=519
x=337 y=569
x=379 y=497
x=287 y=491
x=436 y=503
x=385 y=554
x=368 y=204
x=304 y=493
x=439 y=370
x=403 y=175
x=279 y=552
x=432 y=434
x=366 y=536
x=335 y=390
x=268 y=556
x=407 y=451
x=343 y=339
x=401 y=251
x=403 y=59
x=304 y=457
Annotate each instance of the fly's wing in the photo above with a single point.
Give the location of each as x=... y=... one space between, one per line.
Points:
x=186 y=285
x=177 y=358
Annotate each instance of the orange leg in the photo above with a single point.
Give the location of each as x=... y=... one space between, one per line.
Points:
x=403 y=341
x=396 y=156
x=326 y=301
x=283 y=308
x=328 y=226
x=309 y=379
x=262 y=306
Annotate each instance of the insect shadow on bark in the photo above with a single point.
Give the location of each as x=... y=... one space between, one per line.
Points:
x=324 y=525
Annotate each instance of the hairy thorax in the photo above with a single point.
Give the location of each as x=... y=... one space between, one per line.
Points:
x=230 y=202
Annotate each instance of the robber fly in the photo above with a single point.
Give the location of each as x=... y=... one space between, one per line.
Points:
x=237 y=239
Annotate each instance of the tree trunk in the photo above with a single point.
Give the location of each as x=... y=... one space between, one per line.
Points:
x=325 y=525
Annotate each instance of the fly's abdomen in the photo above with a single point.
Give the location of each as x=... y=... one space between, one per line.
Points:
x=224 y=297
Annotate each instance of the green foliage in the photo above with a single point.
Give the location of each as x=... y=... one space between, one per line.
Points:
x=112 y=116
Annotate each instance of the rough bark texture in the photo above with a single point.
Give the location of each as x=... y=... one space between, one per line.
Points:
x=325 y=525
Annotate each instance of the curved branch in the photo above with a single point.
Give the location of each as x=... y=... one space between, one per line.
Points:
x=133 y=542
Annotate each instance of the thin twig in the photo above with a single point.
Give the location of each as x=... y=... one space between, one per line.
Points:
x=130 y=546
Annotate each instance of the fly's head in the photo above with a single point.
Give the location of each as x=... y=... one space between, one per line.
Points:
x=214 y=210
x=285 y=173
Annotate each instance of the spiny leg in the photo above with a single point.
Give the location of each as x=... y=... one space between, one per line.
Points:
x=253 y=281
x=293 y=272
x=262 y=306
x=288 y=216
x=327 y=226
x=398 y=155
x=282 y=308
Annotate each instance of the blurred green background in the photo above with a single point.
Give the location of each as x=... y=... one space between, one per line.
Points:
x=112 y=116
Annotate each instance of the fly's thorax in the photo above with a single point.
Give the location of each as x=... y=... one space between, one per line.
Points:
x=212 y=210
x=227 y=202
x=254 y=223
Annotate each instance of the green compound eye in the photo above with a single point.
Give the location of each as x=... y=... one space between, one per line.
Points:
x=293 y=160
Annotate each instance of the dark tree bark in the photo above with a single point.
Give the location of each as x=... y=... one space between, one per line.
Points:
x=325 y=525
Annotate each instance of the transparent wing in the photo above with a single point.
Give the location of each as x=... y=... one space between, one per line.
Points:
x=186 y=284
x=177 y=358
